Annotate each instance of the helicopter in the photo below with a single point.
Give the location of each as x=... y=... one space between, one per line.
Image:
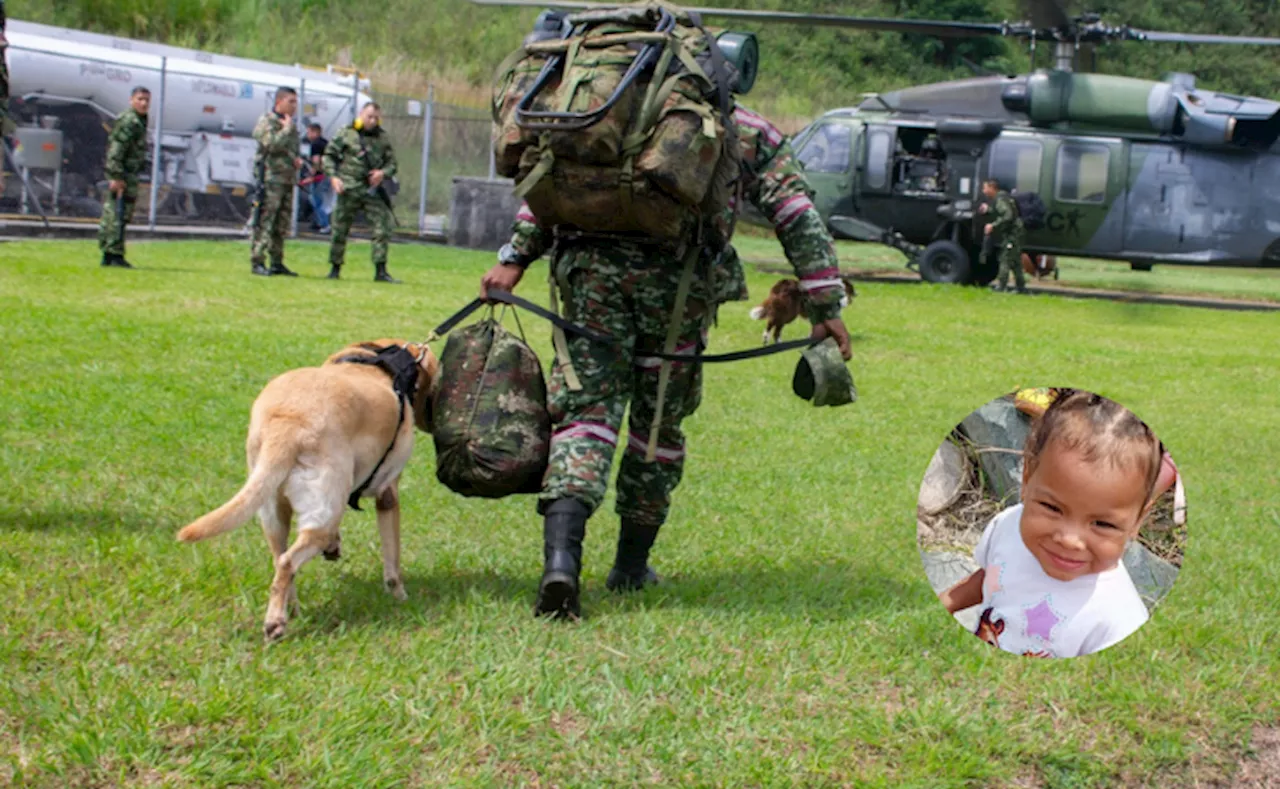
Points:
x=1127 y=169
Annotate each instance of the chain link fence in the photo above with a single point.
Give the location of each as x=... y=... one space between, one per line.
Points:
x=66 y=96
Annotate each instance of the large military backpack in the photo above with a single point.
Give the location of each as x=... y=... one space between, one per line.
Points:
x=1030 y=208
x=490 y=422
x=622 y=125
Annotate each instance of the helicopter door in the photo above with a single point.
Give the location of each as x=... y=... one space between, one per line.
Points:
x=1086 y=213
x=877 y=174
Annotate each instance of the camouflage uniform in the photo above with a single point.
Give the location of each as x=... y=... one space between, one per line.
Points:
x=278 y=147
x=351 y=156
x=1006 y=231
x=126 y=155
x=627 y=290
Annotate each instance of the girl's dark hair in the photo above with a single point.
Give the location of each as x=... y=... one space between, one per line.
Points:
x=1098 y=429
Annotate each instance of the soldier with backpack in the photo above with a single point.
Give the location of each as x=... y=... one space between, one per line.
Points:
x=649 y=289
x=1004 y=232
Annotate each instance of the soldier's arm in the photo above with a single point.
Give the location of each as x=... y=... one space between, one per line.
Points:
x=1005 y=216
x=389 y=161
x=781 y=193
x=117 y=147
x=333 y=154
x=529 y=240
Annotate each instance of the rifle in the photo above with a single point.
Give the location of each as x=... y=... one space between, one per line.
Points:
x=259 y=194
x=382 y=193
x=120 y=216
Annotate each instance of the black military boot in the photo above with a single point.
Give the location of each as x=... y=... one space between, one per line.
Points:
x=631 y=570
x=108 y=260
x=120 y=262
x=335 y=271
x=383 y=276
x=278 y=269
x=563 y=529
x=260 y=269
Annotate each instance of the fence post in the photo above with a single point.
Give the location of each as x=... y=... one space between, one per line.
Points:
x=297 y=119
x=355 y=94
x=493 y=163
x=428 y=113
x=157 y=149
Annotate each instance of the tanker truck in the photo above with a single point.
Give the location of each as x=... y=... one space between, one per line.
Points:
x=67 y=86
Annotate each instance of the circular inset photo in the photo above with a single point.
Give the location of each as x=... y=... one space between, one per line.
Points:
x=1051 y=522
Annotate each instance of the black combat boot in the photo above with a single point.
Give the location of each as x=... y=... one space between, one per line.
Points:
x=120 y=262
x=563 y=529
x=335 y=271
x=631 y=570
x=108 y=260
x=383 y=276
x=260 y=269
x=278 y=269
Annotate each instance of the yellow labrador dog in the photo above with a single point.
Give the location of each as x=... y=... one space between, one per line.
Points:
x=320 y=439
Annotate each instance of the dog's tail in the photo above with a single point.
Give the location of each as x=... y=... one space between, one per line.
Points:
x=275 y=461
x=757 y=313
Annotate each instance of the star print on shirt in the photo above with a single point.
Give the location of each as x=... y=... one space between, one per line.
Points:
x=991 y=582
x=1041 y=619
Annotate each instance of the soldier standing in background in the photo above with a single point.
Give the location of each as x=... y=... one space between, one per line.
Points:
x=359 y=161
x=1004 y=233
x=626 y=289
x=276 y=166
x=126 y=156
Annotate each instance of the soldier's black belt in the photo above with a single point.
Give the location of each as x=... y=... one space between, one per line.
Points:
x=504 y=297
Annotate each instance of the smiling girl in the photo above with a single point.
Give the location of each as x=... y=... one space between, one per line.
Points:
x=1050 y=580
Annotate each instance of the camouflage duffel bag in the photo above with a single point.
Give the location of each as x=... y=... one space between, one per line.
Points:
x=491 y=427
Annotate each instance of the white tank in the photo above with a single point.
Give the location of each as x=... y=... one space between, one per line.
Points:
x=203 y=93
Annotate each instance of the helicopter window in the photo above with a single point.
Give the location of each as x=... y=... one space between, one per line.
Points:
x=879 y=146
x=1016 y=164
x=827 y=149
x=1082 y=172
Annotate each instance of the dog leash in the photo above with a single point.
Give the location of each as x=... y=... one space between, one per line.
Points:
x=513 y=300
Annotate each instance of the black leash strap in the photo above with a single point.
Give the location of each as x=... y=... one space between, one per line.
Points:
x=504 y=297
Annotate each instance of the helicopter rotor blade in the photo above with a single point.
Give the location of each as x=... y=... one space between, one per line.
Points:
x=926 y=27
x=1161 y=36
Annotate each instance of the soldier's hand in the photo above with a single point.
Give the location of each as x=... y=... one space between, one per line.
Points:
x=115 y=187
x=375 y=178
x=982 y=209
x=337 y=185
x=986 y=231
x=500 y=277
x=297 y=163
x=834 y=328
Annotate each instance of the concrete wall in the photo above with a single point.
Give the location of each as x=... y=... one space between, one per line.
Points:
x=481 y=212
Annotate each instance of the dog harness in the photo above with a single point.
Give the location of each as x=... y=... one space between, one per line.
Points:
x=396 y=361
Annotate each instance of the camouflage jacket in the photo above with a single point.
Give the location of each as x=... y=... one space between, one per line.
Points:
x=277 y=149
x=127 y=147
x=773 y=181
x=1005 y=222
x=351 y=155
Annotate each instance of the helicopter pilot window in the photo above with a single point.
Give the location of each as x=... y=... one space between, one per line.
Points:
x=1082 y=172
x=879 y=148
x=827 y=149
x=1015 y=164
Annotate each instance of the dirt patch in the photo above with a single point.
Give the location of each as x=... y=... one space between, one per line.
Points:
x=1260 y=769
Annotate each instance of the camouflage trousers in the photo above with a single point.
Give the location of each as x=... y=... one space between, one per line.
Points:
x=111 y=226
x=275 y=219
x=627 y=292
x=349 y=204
x=1009 y=254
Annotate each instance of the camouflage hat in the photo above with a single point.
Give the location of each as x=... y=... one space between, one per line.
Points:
x=821 y=376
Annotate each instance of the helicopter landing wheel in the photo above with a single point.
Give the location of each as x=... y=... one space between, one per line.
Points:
x=944 y=261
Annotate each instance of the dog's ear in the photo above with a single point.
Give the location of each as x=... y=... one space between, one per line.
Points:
x=428 y=380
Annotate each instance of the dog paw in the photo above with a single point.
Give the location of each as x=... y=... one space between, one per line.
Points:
x=396 y=587
x=273 y=630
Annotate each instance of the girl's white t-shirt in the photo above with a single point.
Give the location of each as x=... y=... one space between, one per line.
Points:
x=1026 y=612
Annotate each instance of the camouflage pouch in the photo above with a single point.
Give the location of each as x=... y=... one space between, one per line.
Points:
x=492 y=429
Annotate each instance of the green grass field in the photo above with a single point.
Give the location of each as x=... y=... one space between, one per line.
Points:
x=795 y=642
